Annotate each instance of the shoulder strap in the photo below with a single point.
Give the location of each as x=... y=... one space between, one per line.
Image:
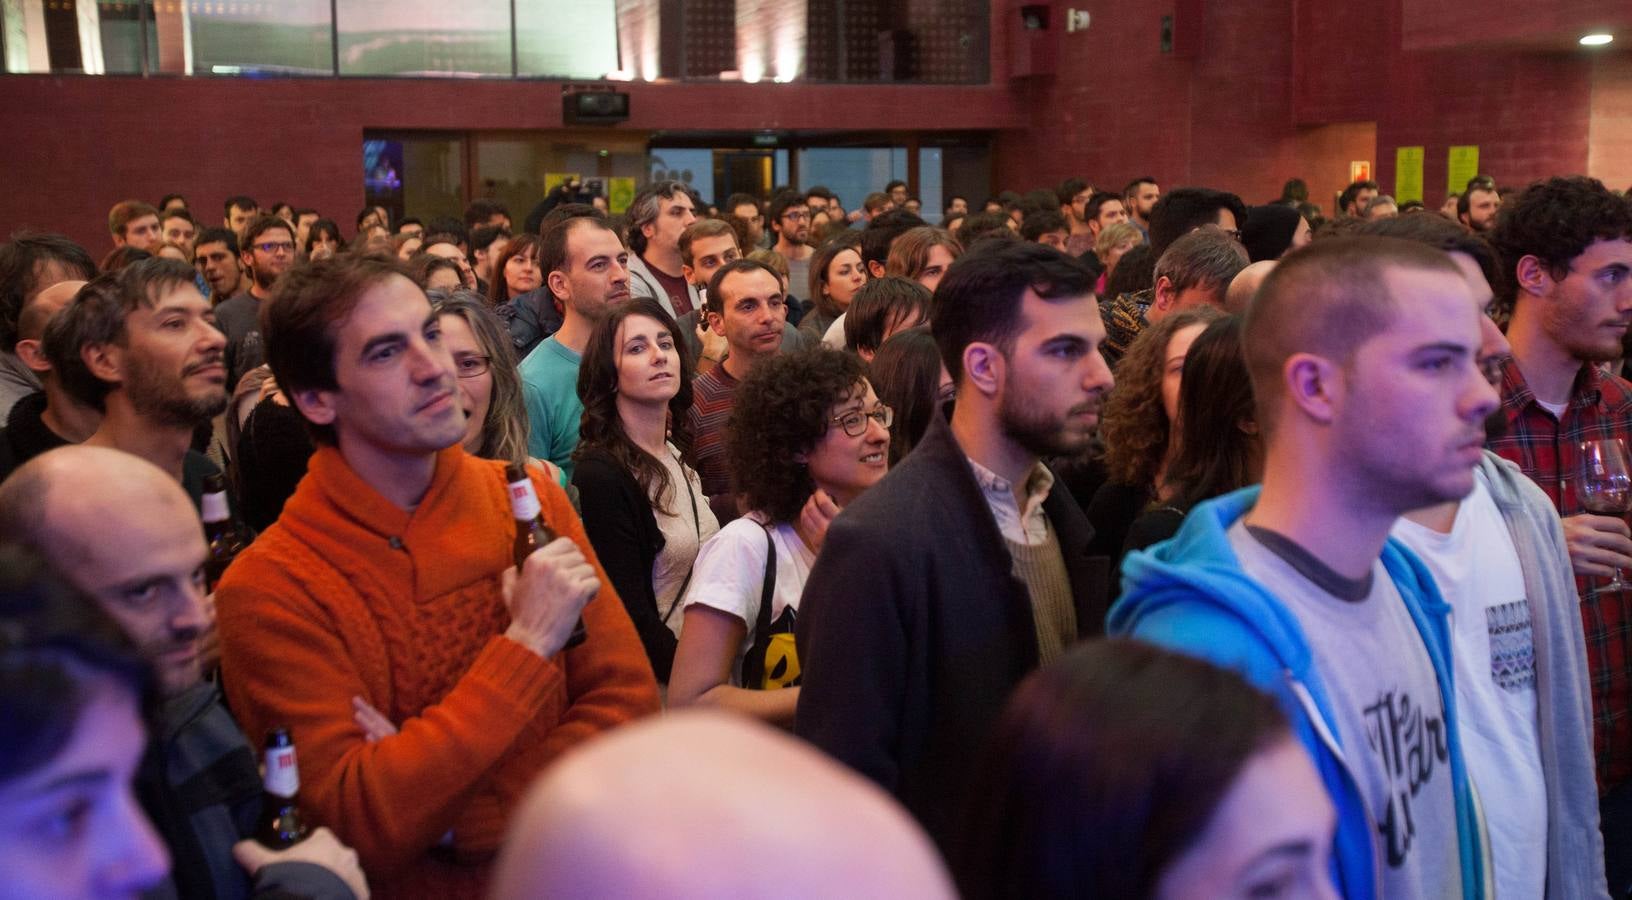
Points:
x=753 y=665
x=696 y=526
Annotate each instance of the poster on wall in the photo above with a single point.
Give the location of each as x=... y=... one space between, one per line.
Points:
x=620 y=192
x=1408 y=174
x=552 y=180
x=1464 y=164
x=1360 y=170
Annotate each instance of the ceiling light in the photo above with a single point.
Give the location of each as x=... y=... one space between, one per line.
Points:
x=1596 y=40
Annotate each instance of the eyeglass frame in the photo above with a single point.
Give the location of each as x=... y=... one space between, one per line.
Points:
x=882 y=414
x=486 y=361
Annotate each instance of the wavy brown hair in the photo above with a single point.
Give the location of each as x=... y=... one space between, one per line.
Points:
x=601 y=427
x=820 y=261
x=498 y=289
x=781 y=409
x=1134 y=425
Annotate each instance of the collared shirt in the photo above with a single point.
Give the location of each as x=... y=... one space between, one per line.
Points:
x=1124 y=318
x=1027 y=525
x=1547 y=450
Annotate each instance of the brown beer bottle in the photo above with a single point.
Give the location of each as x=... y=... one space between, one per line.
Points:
x=531 y=530
x=226 y=539
x=281 y=824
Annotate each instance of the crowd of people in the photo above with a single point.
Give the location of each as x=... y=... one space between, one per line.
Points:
x=1091 y=543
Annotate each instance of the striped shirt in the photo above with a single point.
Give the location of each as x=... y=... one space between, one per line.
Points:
x=1547 y=450
x=712 y=396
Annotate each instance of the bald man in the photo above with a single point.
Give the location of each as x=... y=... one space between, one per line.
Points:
x=737 y=809
x=124 y=533
x=1245 y=285
x=51 y=417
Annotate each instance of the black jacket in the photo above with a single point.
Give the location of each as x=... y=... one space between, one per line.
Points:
x=26 y=435
x=623 y=530
x=913 y=630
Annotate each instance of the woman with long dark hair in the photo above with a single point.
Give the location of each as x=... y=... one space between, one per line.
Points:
x=807 y=435
x=836 y=274
x=910 y=379
x=643 y=506
x=1218 y=447
x=515 y=271
x=1128 y=772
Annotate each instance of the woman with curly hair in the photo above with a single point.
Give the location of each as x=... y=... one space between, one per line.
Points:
x=1137 y=425
x=515 y=270
x=806 y=436
x=643 y=507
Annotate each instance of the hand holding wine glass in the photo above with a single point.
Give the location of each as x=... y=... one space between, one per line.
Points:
x=1604 y=486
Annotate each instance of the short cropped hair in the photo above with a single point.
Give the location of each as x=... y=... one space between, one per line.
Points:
x=479 y=211
x=301 y=321
x=21 y=259
x=980 y=298
x=1435 y=230
x=246 y=204
x=1353 y=191
x=643 y=211
x=1041 y=222
x=715 y=303
x=97 y=315
x=1091 y=209
x=882 y=304
x=125 y=212
x=705 y=228
x=882 y=231
x=1184 y=209
x=1069 y=189
x=1555 y=221
x=1205 y=258
x=262 y=225
x=875 y=201
x=553 y=236
x=1328 y=299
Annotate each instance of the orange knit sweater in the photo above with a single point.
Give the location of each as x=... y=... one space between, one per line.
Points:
x=348 y=595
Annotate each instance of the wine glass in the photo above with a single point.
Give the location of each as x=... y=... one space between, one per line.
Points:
x=1604 y=486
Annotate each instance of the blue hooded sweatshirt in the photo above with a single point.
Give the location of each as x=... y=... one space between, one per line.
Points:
x=1190 y=594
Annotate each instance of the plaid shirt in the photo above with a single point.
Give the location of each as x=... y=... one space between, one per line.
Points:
x=1547 y=450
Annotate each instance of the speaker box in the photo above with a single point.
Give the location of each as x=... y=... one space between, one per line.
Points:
x=595 y=108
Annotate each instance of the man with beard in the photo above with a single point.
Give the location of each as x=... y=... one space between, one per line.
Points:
x=267 y=251
x=1499 y=558
x=121 y=531
x=146 y=353
x=1139 y=200
x=657 y=217
x=1363 y=354
x=789 y=217
x=215 y=255
x=1476 y=209
x=1565 y=247
x=746 y=306
x=965 y=568
x=586 y=269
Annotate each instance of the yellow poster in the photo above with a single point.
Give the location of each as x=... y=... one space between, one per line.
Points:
x=1408 y=173
x=552 y=180
x=620 y=192
x=1464 y=164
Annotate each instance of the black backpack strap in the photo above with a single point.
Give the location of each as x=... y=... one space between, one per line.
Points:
x=753 y=665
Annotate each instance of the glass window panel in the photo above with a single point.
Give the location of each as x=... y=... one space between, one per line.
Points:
x=233 y=37
x=518 y=169
x=567 y=40
x=851 y=172
x=424 y=37
x=93 y=37
x=694 y=167
x=929 y=184
x=414 y=175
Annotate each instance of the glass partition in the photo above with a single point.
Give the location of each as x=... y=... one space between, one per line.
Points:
x=424 y=37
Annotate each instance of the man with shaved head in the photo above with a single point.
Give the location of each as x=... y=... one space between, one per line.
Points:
x=52 y=417
x=123 y=532
x=1245 y=286
x=1364 y=358
x=756 y=814
x=141 y=346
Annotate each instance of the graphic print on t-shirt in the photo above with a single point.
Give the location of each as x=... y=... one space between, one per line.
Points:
x=1409 y=740
x=1512 y=646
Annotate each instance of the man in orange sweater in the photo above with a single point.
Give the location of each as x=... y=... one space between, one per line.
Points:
x=388 y=583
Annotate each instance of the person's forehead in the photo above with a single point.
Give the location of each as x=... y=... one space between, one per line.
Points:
x=123 y=529
x=639 y=326
x=1044 y=318
x=180 y=295
x=457 y=333
x=585 y=242
x=177 y=222
x=712 y=245
x=444 y=250
x=1429 y=306
x=393 y=304
x=750 y=283
x=210 y=248
x=796 y=207
x=752 y=208
x=680 y=199
x=279 y=233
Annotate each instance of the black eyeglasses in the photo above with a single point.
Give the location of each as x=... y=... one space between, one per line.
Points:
x=854 y=422
x=275 y=246
x=472 y=366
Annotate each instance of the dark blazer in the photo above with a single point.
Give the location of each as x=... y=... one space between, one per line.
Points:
x=913 y=630
x=623 y=530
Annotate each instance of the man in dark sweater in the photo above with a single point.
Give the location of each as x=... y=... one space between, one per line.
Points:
x=51 y=417
x=940 y=588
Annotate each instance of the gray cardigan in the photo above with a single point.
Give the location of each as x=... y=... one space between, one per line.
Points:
x=1575 y=848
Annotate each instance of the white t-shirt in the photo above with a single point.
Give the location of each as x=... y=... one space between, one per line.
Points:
x=683 y=536
x=1477 y=570
x=730 y=574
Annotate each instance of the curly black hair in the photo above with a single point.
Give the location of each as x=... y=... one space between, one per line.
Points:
x=781 y=409
x=1555 y=221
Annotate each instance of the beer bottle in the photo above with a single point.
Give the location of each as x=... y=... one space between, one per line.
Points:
x=531 y=530
x=281 y=824
x=225 y=538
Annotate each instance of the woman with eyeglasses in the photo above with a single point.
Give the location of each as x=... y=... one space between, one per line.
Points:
x=807 y=435
x=643 y=505
x=489 y=386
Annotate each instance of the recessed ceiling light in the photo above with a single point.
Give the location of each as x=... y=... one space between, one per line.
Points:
x=1596 y=40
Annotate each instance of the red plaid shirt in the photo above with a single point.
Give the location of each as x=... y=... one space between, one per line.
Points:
x=1547 y=450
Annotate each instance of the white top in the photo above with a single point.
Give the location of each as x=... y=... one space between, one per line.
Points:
x=730 y=574
x=1494 y=655
x=683 y=536
x=1028 y=526
x=834 y=338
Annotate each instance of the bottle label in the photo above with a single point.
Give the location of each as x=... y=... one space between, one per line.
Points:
x=523 y=502
x=282 y=775
x=215 y=508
